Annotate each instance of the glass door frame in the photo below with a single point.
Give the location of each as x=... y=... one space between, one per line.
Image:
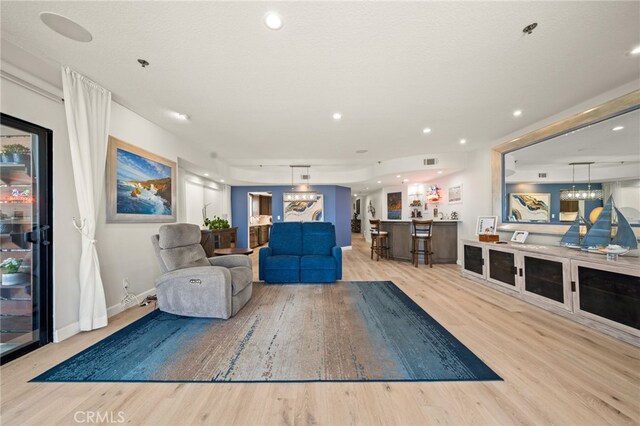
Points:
x=44 y=279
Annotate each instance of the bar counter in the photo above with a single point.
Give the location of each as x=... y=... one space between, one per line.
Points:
x=444 y=240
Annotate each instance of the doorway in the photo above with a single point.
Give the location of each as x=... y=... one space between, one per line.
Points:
x=26 y=311
x=260 y=218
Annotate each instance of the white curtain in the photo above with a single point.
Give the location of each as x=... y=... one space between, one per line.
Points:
x=88 y=110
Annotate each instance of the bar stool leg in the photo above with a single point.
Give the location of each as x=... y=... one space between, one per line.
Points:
x=428 y=242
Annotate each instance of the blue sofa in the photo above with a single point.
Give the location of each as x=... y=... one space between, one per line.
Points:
x=301 y=252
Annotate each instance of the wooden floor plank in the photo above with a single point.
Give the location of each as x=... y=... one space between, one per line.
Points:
x=555 y=372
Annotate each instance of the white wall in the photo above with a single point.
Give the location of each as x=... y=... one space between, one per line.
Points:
x=125 y=250
x=200 y=192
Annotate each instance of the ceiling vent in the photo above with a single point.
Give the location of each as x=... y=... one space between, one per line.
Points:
x=542 y=175
x=430 y=161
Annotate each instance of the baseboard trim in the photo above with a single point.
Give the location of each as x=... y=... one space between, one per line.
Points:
x=74 y=328
x=117 y=308
x=346 y=248
x=65 y=332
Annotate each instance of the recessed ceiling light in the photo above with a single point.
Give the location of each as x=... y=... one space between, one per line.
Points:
x=439 y=172
x=379 y=181
x=367 y=188
x=617 y=128
x=405 y=180
x=221 y=180
x=273 y=21
x=635 y=51
x=361 y=151
x=517 y=113
x=426 y=130
x=463 y=141
x=355 y=195
x=206 y=174
x=181 y=116
x=66 y=27
x=397 y=176
x=337 y=116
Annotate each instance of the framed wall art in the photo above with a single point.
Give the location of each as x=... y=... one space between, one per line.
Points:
x=529 y=207
x=141 y=186
x=304 y=211
x=394 y=205
x=455 y=194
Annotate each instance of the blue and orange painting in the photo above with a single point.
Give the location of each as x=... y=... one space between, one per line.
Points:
x=144 y=185
x=394 y=205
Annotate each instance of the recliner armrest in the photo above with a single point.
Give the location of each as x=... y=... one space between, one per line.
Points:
x=262 y=256
x=336 y=252
x=231 y=261
x=187 y=274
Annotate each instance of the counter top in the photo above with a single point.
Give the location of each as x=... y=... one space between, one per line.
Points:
x=263 y=224
x=630 y=259
x=434 y=221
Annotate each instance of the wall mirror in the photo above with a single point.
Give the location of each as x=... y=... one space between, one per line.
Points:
x=543 y=180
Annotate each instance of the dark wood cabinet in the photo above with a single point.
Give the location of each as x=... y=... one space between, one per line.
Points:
x=253 y=236
x=259 y=235
x=261 y=205
x=265 y=205
x=356 y=226
x=211 y=239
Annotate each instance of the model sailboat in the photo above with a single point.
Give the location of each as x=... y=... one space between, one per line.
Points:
x=600 y=234
x=572 y=238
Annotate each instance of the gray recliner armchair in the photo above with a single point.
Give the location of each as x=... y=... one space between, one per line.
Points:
x=192 y=285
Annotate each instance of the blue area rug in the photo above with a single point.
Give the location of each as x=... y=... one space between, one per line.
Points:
x=348 y=331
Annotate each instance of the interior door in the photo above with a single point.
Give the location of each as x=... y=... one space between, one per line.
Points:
x=25 y=237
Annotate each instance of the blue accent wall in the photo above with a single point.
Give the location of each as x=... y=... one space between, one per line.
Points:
x=554 y=190
x=337 y=209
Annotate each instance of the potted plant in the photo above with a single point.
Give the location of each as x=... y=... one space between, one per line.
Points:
x=11 y=272
x=16 y=153
x=216 y=223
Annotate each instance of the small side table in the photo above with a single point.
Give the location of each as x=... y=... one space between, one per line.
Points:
x=233 y=250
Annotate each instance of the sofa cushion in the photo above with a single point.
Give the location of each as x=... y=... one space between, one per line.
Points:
x=241 y=277
x=286 y=238
x=317 y=262
x=184 y=257
x=178 y=235
x=282 y=262
x=318 y=238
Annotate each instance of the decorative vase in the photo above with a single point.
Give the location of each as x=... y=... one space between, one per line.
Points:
x=14 y=279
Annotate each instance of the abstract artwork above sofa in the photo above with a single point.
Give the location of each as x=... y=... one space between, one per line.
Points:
x=304 y=211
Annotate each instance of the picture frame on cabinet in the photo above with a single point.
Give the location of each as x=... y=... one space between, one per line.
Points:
x=519 y=237
x=486 y=225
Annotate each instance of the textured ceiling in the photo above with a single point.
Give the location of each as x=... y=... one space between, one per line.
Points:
x=257 y=96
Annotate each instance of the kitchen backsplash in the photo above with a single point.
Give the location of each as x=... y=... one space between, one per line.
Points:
x=260 y=220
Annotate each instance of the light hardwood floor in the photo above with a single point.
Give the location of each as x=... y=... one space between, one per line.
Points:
x=555 y=372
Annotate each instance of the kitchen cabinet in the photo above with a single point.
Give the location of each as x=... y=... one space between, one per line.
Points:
x=253 y=236
x=265 y=205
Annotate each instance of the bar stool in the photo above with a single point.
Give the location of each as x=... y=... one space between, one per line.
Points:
x=421 y=232
x=379 y=240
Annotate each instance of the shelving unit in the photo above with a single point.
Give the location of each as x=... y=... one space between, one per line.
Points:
x=16 y=304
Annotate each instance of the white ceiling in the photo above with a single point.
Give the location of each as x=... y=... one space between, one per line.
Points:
x=257 y=96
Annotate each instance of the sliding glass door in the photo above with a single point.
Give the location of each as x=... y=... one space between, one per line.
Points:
x=25 y=237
